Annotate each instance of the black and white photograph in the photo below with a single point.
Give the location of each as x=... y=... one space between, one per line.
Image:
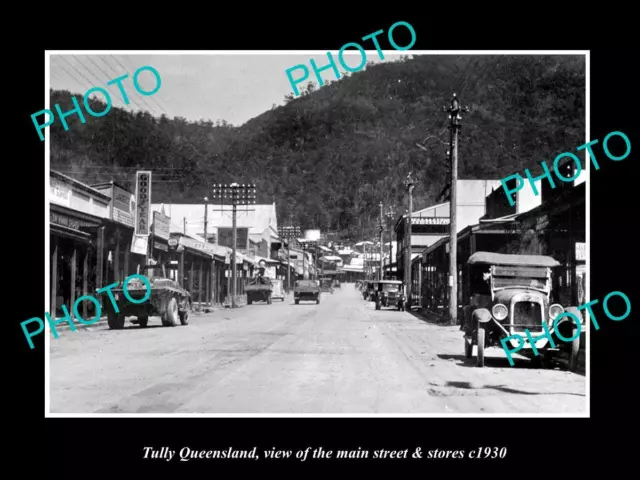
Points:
x=284 y=234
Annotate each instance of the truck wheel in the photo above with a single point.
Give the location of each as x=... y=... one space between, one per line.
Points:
x=143 y=320
x=171 y=315
x=115 y=321
x=480 y=355
x=184 y=318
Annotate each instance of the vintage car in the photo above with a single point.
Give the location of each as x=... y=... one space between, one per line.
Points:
x=389 y=293
x=168 y=299
x=509 y=295
x=259 y=289
x=326 y=285
x=306 y=291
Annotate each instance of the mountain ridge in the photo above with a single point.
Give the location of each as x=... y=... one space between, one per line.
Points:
x=331 y=155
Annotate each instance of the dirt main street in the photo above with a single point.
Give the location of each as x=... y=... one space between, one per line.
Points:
x=341 y=356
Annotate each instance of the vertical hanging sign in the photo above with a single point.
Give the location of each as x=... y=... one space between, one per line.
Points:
x=143 y=203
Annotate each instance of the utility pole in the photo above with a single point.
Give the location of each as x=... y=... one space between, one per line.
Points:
x=409 y=183
x=184 y=225
x=380 y=273
x=364 y=263
x=391 y=213
x=288 y=233
x=206 y=200
x=454 y=128
x=239 y=195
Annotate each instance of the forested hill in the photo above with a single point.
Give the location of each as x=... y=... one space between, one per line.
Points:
x=331 y=155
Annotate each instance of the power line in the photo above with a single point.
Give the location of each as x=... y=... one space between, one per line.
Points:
x=109 y=65
x=151 y=98
x=70 y=75
x=141 y=98
x=89 y=71
x=76 y=70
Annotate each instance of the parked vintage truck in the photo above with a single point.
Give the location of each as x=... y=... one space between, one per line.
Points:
x=167 y=299
x=512 y=294
x=258 y=289
x=306 y=291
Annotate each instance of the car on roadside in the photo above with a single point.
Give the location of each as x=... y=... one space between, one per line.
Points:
x=167 y=299
x=389 y=293
x=509 y=295
x=306 y=291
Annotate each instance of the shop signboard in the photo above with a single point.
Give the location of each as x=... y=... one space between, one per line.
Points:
x=60 y=193
x=139 y=244
x=430 y=220
x=160 y=246
x=161 y=225
x=69 y=222
x=143 y=203
x=581 y=251
x=196 y=245
x=225 y=237
x=124 y=206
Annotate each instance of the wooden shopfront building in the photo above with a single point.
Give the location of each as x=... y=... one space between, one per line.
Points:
x=200 y=267
x=77 y=214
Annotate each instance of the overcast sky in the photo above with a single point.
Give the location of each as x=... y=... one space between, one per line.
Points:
x=234 y=87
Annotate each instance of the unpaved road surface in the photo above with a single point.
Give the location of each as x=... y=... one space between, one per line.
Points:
x=341 y=356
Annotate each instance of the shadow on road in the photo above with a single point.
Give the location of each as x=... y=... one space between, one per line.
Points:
x=138 y=327
x=504 y=389
x=496 y=362
x=430 y=319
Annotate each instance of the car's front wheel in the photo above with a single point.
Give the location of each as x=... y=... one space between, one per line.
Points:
x=480 y=355
x=574 y=348
x=184 y=318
